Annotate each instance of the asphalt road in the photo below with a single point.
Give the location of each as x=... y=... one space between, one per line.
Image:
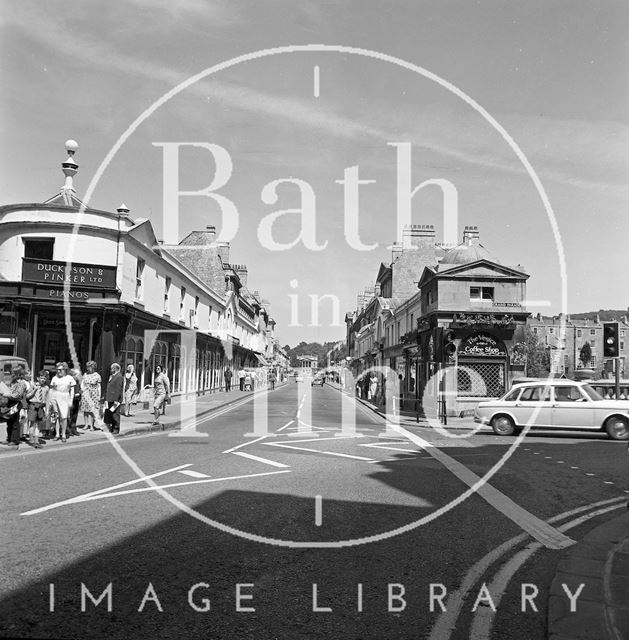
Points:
x=363 y=527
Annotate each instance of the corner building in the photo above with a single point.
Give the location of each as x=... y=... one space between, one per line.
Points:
x=130 y=299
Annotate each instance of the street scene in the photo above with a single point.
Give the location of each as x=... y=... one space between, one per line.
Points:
x=312 y=320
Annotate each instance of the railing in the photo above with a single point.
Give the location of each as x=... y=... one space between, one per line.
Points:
x=607 y=388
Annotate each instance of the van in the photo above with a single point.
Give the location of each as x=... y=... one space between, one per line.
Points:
x=8 y=362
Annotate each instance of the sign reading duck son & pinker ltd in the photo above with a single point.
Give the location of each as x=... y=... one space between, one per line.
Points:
x=482 y=345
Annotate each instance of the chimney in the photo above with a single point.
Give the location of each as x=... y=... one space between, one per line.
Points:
x=123 y=211
x=471 y=235
x=210 y=233
x=241 y=270
x=69 y=168
x=396 y=251
x=223 y=251
x=414 y=235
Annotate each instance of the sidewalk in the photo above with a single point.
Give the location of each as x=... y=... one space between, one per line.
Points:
x=601 y=562
x=141 y=420
x=406 y=417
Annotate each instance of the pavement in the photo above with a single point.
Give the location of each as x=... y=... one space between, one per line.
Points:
x=141 y=420
x=600 y=561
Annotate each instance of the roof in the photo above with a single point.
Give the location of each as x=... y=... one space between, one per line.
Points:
x=465 y=253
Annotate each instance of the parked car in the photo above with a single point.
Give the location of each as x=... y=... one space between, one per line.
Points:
x=556 y=404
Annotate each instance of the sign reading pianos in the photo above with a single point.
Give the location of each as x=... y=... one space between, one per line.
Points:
x=86 y=280
x=482 y=345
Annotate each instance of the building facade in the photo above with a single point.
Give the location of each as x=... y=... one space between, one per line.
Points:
x=77 y=284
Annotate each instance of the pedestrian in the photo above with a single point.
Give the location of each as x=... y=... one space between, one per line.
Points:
x=228 y=379
x=76 y=403
x=161 y=387
x=113 y=399
x=130 y=389
x=90 y=397
x=272 y=379
x=61 y=395
x=11 y=399
x=248 y=381
x=373 y=386
x=241 y=378
x=37 y=398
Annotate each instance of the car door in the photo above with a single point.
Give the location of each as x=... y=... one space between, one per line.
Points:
x=571 y=408
x=533 y=406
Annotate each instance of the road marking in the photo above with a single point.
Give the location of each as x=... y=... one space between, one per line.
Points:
x=574 y=467
x=194 y=474
x=329 y=453
x=318 y=511
x=92 y=493
x=446 y=622
x=316 y=81
x=608 y=482
x=537 y=528
x=484 y=617
x=263 y=460
x=336 y=439
x=244 y=444
x=286 y=425
x=590 y=474
x=89 y=498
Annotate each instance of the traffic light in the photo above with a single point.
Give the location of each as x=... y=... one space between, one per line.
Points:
x=448 y=342
x=611 y=334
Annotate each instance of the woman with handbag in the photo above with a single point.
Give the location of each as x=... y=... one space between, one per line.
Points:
x=130 y=389
x=10 y=404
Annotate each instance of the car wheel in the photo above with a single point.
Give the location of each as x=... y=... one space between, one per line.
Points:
x=617 y=428
x=503 y=426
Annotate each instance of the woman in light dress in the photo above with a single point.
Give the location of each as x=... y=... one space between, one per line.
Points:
x=161 y=387
x=90 y=396
x=60 y=397
x=130 y=389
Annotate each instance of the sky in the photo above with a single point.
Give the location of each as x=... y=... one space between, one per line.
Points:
x=285 y=128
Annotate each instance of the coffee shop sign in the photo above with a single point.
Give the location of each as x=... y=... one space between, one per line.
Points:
x=482 y=345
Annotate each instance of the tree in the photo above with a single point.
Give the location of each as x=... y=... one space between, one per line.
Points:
x=534 y=354
x=585 y=354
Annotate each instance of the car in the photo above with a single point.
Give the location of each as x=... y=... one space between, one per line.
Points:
x=554 y=404
x=318 y=379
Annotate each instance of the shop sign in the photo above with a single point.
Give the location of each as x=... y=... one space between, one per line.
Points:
x=483 y=345
x=74 y=295
x=58 y=272
x=507 y=304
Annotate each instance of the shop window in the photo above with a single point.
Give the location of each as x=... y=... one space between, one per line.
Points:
x=139 y=278
x=39 y=248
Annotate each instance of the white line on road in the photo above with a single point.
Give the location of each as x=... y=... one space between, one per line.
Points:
x=447 y=620
x=288 y=424
x=318 y=511
x=328 y=453
x=113 y=494
x=244 y=444
x=263 y=460
x=92 y=493
x=194 y=474
x=336 y=439
x=537 y=528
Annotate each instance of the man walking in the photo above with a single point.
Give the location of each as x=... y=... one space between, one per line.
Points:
x=228 y=379
x=113 y=399
x=241 y=378
x=272 y=379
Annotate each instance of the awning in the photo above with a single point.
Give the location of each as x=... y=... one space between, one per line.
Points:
x=262 y=360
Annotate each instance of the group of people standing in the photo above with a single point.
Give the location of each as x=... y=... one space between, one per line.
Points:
x=250 y=380
x=48 y=408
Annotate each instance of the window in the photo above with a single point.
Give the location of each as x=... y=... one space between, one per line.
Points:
x=535 y=394
x=593 y=362
x=551 y=329
x=182 y=304
x=167 y=285
x=196 y=311
x=512 y=395
x=412 y=325
x=622 y=333
x=566 y=361
x=481 y=293
x=592 y=332
x=568 y=394
x=39 y=248
x=622 y=345
x=398 y=332
x=535 y=330
x=139 y=271
x=579 y=333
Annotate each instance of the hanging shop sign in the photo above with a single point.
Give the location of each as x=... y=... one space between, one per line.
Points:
x=59 y=272
x=483 y=345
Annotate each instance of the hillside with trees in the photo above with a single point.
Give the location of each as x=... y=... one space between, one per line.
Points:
x=314 y=349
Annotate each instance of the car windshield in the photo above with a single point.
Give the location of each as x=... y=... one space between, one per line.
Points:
x=591 y=392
